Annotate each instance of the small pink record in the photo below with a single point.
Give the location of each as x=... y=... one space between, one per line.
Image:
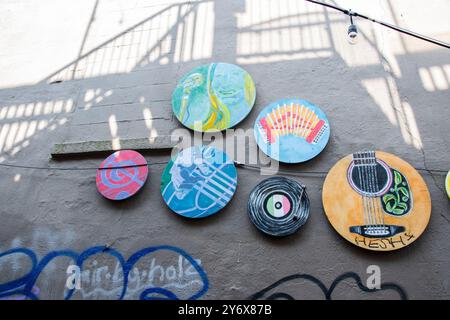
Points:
x=121 y=175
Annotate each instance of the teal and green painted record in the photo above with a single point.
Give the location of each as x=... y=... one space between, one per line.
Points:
x=215 y=96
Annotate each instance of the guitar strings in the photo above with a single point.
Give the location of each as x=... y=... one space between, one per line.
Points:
x=366 y=163
x=376 y=182
x=370 y=182
x=364 y=201
x=366 y=187
x=372 y=188
x=379 y=204
x=375 y=188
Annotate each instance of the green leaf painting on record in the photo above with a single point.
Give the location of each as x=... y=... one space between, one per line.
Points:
x=398 y=200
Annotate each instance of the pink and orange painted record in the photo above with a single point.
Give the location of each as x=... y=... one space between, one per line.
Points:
x=121 y=175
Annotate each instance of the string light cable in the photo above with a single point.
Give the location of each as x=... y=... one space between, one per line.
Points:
x=353 y=31
x=238 y=164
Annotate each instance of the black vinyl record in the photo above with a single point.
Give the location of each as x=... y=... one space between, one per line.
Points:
x=278 y=206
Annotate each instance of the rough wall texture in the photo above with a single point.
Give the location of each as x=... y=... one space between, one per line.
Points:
x=104 y=70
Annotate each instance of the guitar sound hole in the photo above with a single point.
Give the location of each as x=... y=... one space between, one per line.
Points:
x=367 y=181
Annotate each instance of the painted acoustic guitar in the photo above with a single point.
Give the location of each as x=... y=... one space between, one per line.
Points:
x=376 y=200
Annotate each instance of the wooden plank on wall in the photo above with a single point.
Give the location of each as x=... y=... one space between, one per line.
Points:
x=86 y=147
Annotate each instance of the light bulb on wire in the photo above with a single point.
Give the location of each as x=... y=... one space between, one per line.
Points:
x=352 y=33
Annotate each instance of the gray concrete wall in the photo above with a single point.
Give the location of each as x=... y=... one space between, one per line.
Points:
x=105 y=70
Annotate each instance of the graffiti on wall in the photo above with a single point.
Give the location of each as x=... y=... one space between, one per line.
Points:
x=159 y=272
x=272 y=292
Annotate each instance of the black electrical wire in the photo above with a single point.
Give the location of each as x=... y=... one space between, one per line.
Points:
x=9 y=165
x=292 y=209
x=280 y=171
x=330 y=6
x=385 y=24
x=238 y=164
x=319 y=173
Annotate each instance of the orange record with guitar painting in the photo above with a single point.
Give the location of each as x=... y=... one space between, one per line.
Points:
x=376 y=200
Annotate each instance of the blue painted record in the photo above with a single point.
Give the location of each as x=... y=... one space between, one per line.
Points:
x=292 y=130
x=198 y=182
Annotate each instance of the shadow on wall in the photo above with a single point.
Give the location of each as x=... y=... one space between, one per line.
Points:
x=121 y=88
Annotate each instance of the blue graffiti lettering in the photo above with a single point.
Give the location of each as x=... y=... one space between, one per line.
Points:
x=25 y=286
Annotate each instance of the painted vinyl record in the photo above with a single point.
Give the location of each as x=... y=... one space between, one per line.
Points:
x=198 y=182
x=278 y=206
x=121 y=175
x=292 y=130
x=215 y=96
x=376 y=200
x=447 y=184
